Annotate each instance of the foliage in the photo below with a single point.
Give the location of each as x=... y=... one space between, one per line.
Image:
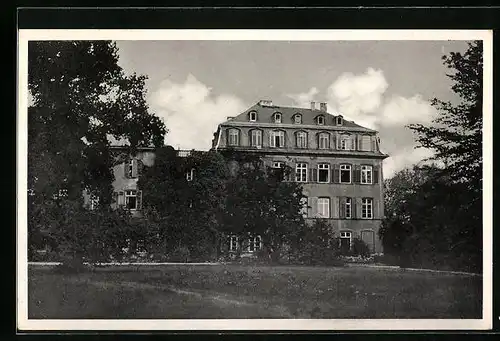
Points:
x=360 y=248
x=260 y=202
x=315 y=245
x=79 y=96
x=456 y=134
x=185 y=213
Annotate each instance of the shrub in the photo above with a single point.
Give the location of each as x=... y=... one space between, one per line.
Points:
x=314 y=246
x=360 y=248
x=180 y=254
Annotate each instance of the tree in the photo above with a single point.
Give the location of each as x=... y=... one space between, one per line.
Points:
x=261 y=203
x=186 y=212
x=456 y=139
x=79 y=96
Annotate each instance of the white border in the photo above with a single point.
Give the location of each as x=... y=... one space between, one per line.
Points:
x=25 y=324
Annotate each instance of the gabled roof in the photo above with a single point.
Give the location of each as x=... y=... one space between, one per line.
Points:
x=265 y=114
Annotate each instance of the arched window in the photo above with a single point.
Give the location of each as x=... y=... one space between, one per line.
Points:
x=233 y=137
x=297 y=119
x=301 y=139
x=323 y=140
x=320 y=120
x=346 y=142
x=277 y=139
x=340 y=120
x=277 y=117
x=256 y=137
x=252 y=116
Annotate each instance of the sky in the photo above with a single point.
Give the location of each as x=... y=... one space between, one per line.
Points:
x=384 y=85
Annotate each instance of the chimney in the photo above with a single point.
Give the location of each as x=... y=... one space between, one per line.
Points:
x=313 y=105
x=322 y=107
x=265 y=103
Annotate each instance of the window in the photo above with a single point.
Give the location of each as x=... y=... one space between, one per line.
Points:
x=366 y=174
x=253 y=116
x=277 y=139
x=131 y=199
x=366 y=143
x=301 y=139
x=297 y=118
x=339 y=120
x=301 y=172
x=367 y=208
x=347 y=208
x=323 y=141
x=345 y=241
x=345 y=174
x=256 y=138
x=345 y=142
x=234 y=137
x=190 y=174
x=131 y=168
x=321 y=120
x=324 y=207
x=277 y=117
x=233 y=243
x=254 y=244
x=323 y=172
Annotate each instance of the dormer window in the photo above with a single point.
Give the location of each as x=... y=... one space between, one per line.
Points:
x=252 y=116
x=277 y=117
x=297 y=119
x=320 y=120
x=339 y=120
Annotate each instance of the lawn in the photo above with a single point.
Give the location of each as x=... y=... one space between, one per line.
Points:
x=236 y=291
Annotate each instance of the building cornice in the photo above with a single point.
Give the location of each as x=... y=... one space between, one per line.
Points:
x=296 y=126
x=307 y=152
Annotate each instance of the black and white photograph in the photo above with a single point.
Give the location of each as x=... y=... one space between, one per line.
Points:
x=193 y=179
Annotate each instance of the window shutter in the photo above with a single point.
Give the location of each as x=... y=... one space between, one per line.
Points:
x=139 y=200
x=314 y=207
x=333 y=140
x=335 y=207
x=360 y=142
x=337 y=140
x=375 y=209
x=115 y=197
x=121 y=198
x=375 y=174
x=357 y=174
x=374 y=143
x=271 y=139
x=134 y=168
x=125 y=168
x=353 y=142
x=336 y=173
x=309 y=207
x=342 y=207
x=140 y=167
x=356 y=209
x=314 y=174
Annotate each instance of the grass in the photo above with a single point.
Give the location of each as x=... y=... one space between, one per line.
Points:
x=235 y=291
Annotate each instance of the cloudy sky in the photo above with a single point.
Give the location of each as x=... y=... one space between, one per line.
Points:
x=194 y=85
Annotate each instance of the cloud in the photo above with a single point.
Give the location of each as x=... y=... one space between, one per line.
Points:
x=399 y=111
x=403 y=158
x=304 y=99
x=363 y=99
x=358 y=97
x=191 y=112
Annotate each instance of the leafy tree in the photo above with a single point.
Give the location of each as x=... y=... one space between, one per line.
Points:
x=185 y=213
x=79 y=96
x=260 y=202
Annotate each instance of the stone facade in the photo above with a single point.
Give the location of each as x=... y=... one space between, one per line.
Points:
x=338 y=161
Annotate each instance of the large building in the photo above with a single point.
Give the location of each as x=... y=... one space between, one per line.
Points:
x=338 y=162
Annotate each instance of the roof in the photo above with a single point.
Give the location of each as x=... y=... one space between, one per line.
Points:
x=265 y=115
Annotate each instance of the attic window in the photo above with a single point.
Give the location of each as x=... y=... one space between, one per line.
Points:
x=253 y=116
x=277 y=117
x=321 y=120
x=297 y=118
x=339 y=120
